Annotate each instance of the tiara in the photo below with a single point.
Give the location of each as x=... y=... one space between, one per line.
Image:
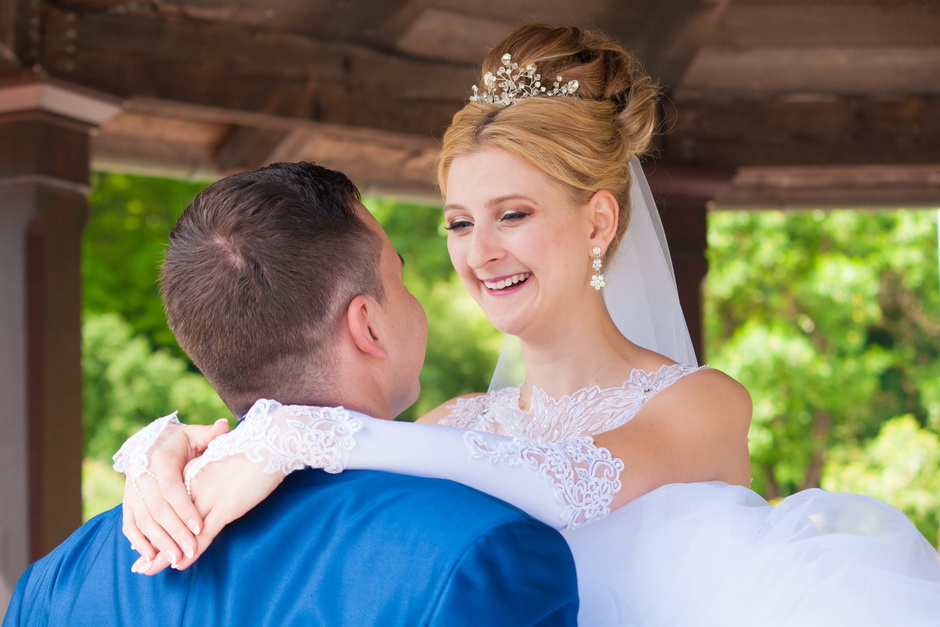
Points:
x=513 y=83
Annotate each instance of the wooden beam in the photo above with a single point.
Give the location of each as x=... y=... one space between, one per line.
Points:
x=230 y=67
x=19 y=33
x=248 y=148
x=835 y=187
x=728 y=134
x=673 y=35
x=95 y=5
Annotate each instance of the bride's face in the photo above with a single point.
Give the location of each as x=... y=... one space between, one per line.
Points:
x=517 y=239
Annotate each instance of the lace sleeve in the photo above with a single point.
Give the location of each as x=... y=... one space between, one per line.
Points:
x=583 y=477
x=285 y=438
x=131 y=458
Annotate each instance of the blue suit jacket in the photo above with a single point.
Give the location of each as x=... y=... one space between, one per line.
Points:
x=360 y=548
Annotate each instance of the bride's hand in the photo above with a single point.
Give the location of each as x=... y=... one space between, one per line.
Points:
x=223 y=490
x=159 y=517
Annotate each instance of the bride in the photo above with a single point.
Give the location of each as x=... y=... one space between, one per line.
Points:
x=598 y=422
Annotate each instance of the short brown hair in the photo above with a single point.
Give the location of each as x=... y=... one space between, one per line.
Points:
x=585 y=142
x=259 y=270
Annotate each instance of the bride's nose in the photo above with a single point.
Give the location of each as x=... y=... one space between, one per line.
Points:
x=484 y=248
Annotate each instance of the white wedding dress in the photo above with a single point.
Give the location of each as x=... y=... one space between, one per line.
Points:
x=712 y=554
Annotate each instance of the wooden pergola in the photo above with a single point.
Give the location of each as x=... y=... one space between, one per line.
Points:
x=822 y=103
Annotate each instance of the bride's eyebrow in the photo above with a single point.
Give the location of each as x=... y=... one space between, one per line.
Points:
x=508 y=197
x=493 y=201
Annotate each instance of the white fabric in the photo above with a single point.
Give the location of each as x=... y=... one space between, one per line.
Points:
x=640 y=292
x=583 y=477
x=586 y=412
x=563 y=484
x=300 y=437
x=715 y=555
x=131 y=458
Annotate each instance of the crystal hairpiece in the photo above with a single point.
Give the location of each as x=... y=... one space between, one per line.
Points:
x=513 y=83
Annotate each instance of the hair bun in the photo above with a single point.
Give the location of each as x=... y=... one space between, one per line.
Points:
x=605 y=71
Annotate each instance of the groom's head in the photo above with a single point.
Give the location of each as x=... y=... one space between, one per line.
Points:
x=258 y=276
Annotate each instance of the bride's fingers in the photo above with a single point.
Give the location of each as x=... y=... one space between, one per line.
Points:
x=138 y=541
x=201 y=435
x=161 y=514
x=172 y=493
x=146 y=567
x=157 y=536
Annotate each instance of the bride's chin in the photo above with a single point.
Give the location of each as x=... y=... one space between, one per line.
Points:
x=510 y=325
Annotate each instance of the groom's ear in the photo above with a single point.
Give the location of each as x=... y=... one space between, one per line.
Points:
x=364 y=320
x=605 y=214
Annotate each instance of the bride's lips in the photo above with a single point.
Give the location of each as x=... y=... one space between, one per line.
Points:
x=506 y=284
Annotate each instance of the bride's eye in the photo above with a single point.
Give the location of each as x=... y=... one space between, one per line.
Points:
x=512 y=216
x=458 y=224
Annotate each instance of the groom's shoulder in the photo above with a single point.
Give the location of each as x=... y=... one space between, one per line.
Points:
x=391 y=496
x=426 y=551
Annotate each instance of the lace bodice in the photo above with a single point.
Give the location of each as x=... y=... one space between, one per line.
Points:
x=587 y=412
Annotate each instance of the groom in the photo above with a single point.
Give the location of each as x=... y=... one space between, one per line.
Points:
x=280 y=284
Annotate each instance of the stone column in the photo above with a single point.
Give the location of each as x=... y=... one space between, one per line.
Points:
x=45 y=128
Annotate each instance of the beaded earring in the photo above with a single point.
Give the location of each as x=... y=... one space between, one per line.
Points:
x=597 y=281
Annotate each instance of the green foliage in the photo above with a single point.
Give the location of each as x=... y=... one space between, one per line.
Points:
x=130 y=221
x=102 y=488
x=832 y=322
x=128 y=383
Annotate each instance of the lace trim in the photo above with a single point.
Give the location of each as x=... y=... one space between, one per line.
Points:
x=482 y=413
x=588 y=411
x=285 y=438
x=131 y=458
x=583 y=477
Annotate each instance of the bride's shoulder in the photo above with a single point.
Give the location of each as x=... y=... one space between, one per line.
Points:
x=445 y=409
x=707 y=392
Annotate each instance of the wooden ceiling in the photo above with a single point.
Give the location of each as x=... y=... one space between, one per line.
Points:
x=795 y=101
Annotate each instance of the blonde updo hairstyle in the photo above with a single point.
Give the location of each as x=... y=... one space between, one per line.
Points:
x=584 y=142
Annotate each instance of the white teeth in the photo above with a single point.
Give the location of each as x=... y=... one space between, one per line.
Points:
x=504 y=283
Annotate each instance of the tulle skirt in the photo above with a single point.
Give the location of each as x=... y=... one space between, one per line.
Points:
x=710 y=554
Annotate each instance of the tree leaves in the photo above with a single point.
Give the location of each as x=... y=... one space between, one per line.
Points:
x=830 y=319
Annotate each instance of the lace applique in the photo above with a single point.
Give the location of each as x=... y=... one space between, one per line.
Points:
x=583 y=477
x=588 y=411
x=131 y=458
x=481 y=413
x=287 y=440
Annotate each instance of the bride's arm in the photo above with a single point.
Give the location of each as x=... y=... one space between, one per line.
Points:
x=693 y=431
x=560 y=483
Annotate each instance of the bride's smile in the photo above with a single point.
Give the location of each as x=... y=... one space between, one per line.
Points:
x=507 y=284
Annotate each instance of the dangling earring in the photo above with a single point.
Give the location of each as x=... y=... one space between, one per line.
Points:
x=597 y=281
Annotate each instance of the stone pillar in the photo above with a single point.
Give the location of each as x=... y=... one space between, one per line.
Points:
x=45 y=128
x=682 y=195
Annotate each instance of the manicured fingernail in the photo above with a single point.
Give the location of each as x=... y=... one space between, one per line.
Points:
x=170 y=557
x=225 y=420
x=142 y=565
x=188 y=549
x=193 y=526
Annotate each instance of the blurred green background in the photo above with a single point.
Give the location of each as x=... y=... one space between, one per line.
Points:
x=830 y=319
